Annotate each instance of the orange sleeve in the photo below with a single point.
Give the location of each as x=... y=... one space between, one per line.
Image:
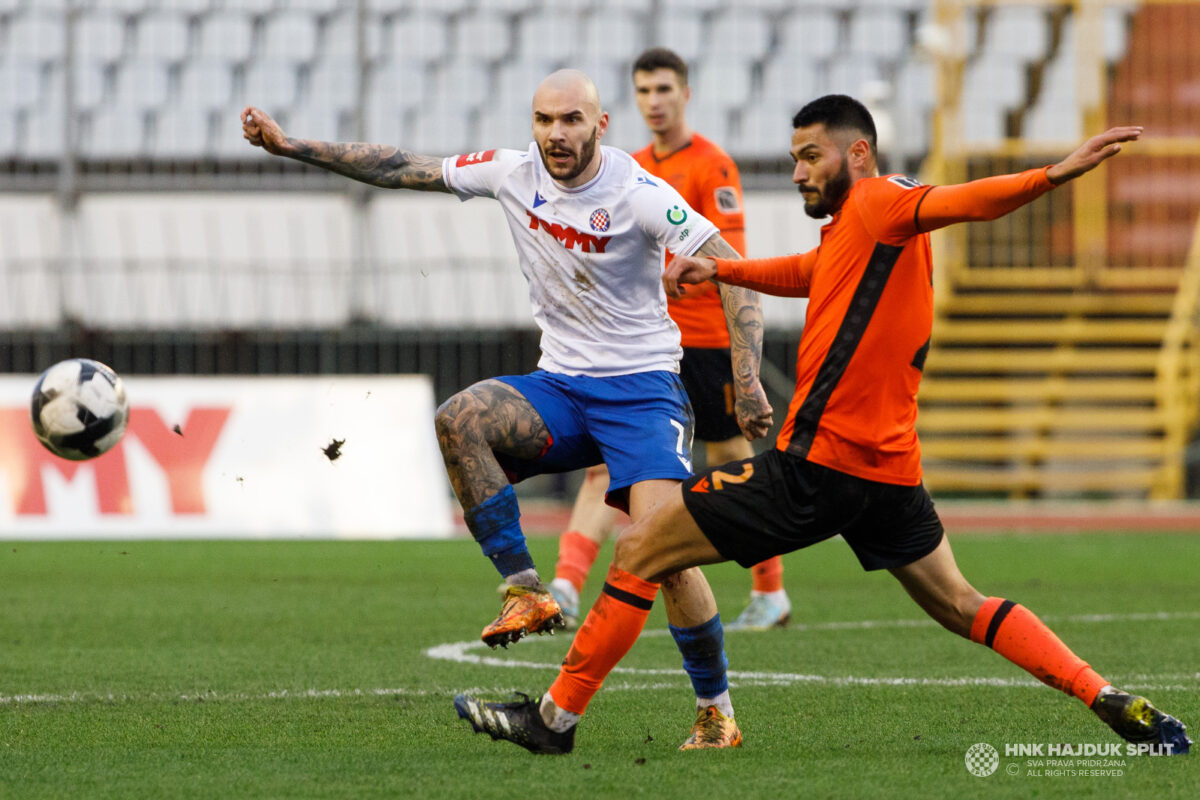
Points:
x=782 y=276
x=984 y=199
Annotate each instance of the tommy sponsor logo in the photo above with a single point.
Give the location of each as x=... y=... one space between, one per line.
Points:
x=478 y=157
x=727 y=200
x=569 y=236
x=676 y=215
x=599 y=220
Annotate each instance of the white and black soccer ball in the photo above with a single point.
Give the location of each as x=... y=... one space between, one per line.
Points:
x=79 y=409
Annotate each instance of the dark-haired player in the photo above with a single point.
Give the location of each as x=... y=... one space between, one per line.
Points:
x=847 y=460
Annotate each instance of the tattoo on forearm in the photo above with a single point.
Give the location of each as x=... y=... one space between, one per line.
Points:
x=743 y=314
x=478 y=422
x=378 y=165
x=716 y=247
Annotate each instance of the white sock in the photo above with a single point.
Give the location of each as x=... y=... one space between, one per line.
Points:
x=722 y=701
x=526 y=577
x=567 y=590
x=557 y=719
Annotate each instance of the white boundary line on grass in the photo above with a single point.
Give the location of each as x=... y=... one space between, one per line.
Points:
x=459 y=652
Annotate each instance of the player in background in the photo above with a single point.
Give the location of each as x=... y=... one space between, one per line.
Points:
x=707 y=178
x=590 y=227
x=847 y=459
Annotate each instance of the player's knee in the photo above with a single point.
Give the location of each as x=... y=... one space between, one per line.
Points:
x=632 y=552
x=453 y=418
x=956 y=613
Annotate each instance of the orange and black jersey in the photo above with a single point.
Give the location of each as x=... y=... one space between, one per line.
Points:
x=707 y=178
x=870 y=316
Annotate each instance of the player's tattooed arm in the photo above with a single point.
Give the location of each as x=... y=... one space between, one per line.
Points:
x=378 y=165
x=478 y=422
x=743 y=316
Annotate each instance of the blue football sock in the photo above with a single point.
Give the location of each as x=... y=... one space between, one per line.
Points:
x=496 y=525
x=704 y=660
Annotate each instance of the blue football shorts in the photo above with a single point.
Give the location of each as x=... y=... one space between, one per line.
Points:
x=640 y=425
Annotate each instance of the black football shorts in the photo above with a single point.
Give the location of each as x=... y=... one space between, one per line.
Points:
x=776 y=502
x=707 y=376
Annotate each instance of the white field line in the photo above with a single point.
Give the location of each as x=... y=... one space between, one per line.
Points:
x=459 y=652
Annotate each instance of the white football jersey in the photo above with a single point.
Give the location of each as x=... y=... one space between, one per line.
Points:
x=593 y=255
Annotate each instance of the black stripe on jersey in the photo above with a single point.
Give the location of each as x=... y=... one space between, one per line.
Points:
x=854 y=324
x=627 y=597
x=997 y=618
x=917 y=211
x=919 y=359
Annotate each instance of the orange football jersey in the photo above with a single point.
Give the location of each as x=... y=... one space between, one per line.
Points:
x=707 y=178
x=870 y=316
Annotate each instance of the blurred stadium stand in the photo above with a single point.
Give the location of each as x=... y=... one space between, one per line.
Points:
x=137 y=226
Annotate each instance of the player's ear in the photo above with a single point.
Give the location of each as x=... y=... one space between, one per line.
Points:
x=860 y=154
x=687 y=94
x=601 y=124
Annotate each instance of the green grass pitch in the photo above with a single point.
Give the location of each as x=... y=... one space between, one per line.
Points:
x=308 y=669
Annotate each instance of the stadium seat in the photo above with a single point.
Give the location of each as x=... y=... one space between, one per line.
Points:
x=739 y=34
x=551 y=37
x=789 y=81
x=140 y=84
x=37 y=35
x=1054 y=115
x=227 y=35
x=8 y=133
x=626 y=130
x=463 y=83
x=766 y=129
x=20 y=83
x=206 y=84
x=333 y=83
x=1017 y=32
x=271 y=85
x=289 y=36
x=99 y=36
x=339 y=36
x=614 y=35
x=851 y=75
x=91 y=85
x=915 y=96
x=721 y=81
x=813 y=31
x=483 y=35
x=683 y=33
x=181 y=131
x=879 y=33
x=113 y=131
x=162 y=35
x=419 y=35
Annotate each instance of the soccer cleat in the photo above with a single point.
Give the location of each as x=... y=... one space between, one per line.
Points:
x=526 y=609
x=1136 y=720
x=567 y=599
x=764 y=612
x=712 y=729
x=518 y=722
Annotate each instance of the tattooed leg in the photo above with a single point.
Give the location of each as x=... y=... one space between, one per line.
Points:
x=472 y=426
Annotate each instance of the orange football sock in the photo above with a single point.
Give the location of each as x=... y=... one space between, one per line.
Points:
x=768 y=575
x=1016 y=633
x=576 y=554
x=607 y=633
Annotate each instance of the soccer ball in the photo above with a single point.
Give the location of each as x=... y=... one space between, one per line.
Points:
x=79 y=409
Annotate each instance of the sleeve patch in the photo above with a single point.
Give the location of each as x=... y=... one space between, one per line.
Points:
x=478 y=157
x=727 y=200
x=904 y=182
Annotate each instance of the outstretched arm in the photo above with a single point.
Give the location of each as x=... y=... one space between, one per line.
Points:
x=378 y=165
x=743 y=315
x=991 y=198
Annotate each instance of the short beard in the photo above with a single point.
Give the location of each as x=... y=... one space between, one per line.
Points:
x=831 y=196
x=586 y=153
